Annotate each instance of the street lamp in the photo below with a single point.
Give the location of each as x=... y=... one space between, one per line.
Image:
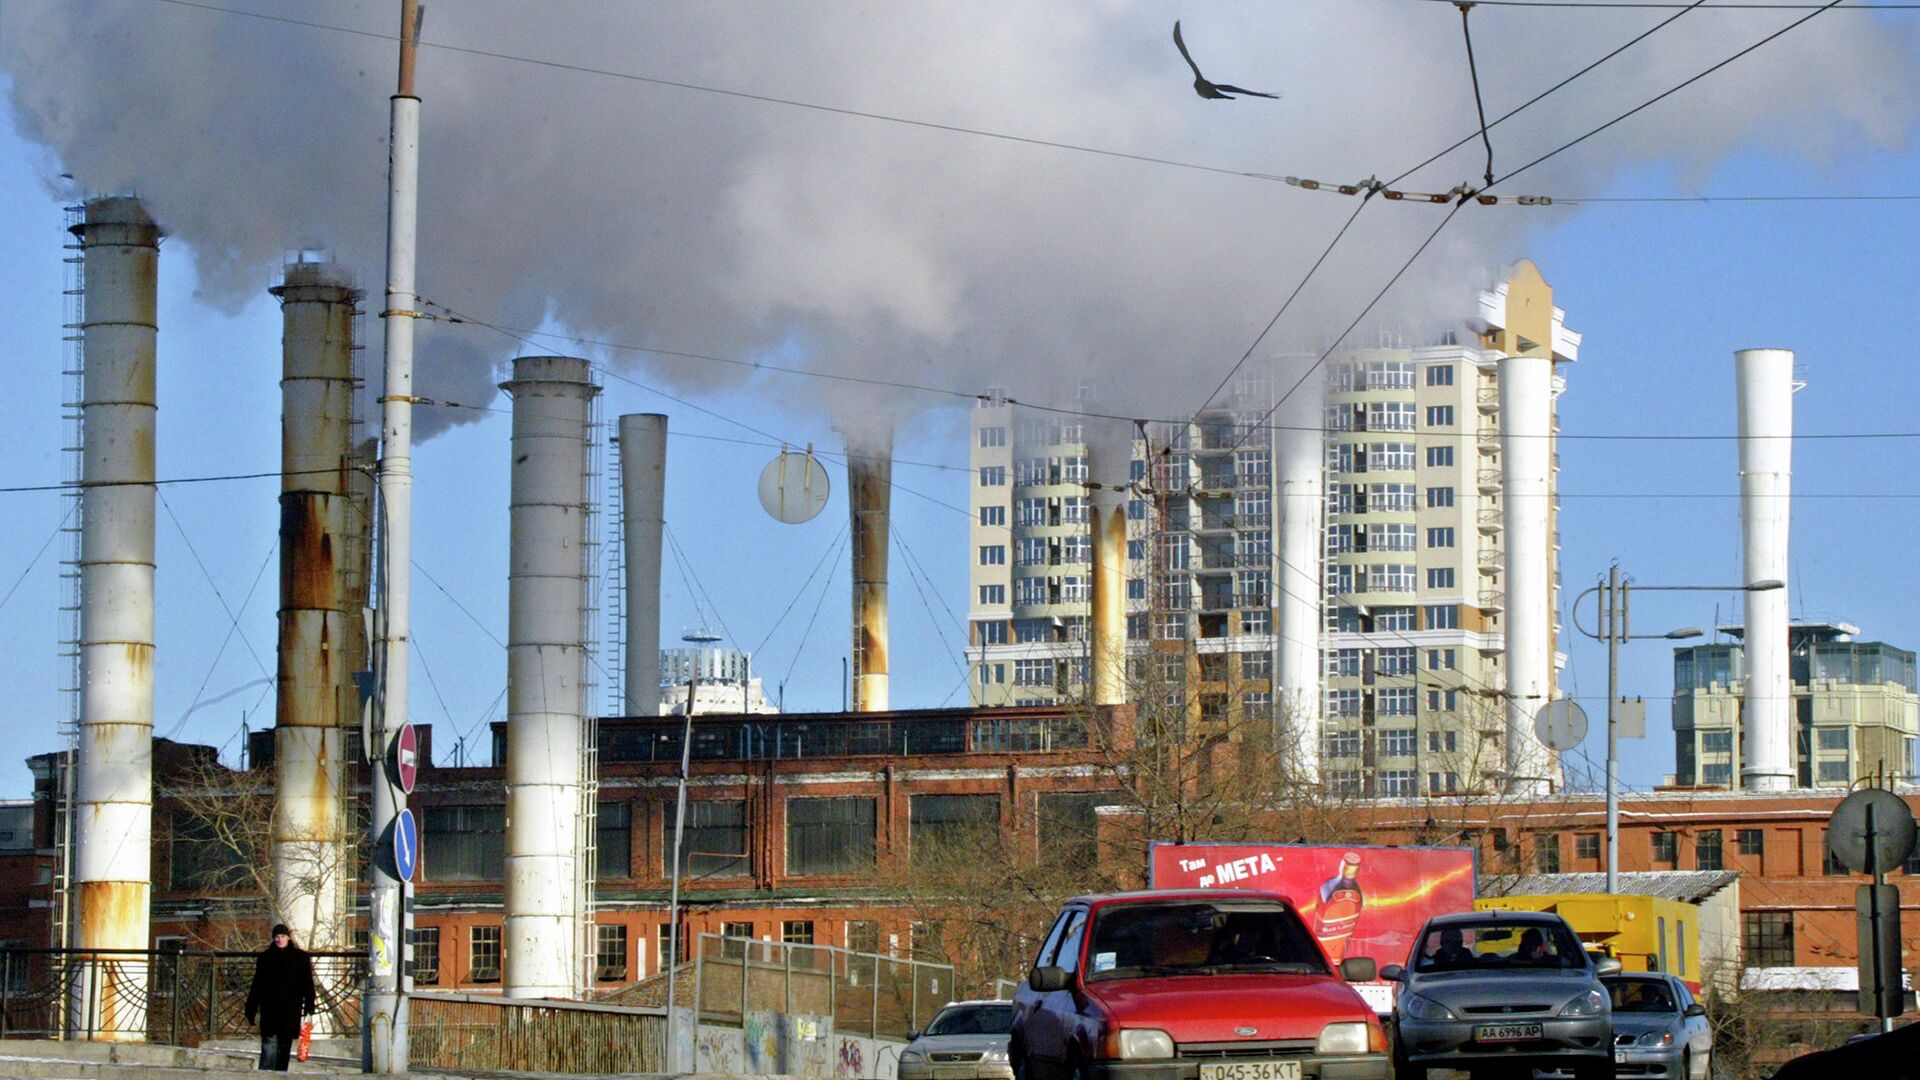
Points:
x=1616 y=596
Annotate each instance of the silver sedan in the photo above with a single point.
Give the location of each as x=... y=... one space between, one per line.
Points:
x=1658 y=1028
x=966 y=1040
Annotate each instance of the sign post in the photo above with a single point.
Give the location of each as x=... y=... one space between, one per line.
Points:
x=1871 y=830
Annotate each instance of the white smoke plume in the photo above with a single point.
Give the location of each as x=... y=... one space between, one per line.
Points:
x=689 y=220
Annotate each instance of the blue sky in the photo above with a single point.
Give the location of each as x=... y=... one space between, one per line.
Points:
x=1662 y=292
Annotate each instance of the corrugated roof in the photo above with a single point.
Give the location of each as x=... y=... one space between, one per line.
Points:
x=1686 y=886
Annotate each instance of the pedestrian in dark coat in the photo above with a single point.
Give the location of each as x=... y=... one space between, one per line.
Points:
x=282 y=994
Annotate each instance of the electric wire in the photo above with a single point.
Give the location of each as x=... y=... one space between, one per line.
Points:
x=1473 y=70
x=233 y=618
x=232 y=627
x=35 y=561
x=801 y=591
x=455 y=601
x=933 y=620
x=687 y=570
x=826 y=585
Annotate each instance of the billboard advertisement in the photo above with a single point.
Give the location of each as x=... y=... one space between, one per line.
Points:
x=1358 y=900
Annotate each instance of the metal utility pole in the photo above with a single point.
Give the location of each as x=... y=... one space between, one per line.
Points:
x=673 y=898
x=384 y=1049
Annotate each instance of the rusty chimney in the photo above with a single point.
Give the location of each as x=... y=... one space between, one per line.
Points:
x=1109 y=461
x=314 y=693
x=869 y=496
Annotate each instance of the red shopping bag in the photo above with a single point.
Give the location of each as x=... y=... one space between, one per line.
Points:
x=304 y=1048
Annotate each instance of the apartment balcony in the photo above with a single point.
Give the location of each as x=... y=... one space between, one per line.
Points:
x=1487 y=398
x=1491 y=521
x=1489 y=480
x=1488 y=438
x=1493 y=600
x=1492 y=559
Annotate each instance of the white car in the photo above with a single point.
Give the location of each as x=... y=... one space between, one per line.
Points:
x=1658 y=1027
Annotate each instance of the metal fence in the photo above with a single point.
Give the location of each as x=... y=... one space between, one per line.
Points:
x=475 y=1031
x=180 y=997
x=866 y=994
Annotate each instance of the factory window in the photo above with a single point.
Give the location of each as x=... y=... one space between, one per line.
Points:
x=714 y=842
x=1439 y=783
x=1439 y=416
x=1440 y=375
x=1830 y=863
x=483 y=954
x=1439 y=457
x=1343 y=744
x=1834 y=738
x=1766 y=938
x=1586 y=845
x=1666 y=848
x=1707 y=850
x=1440 y=537
x=610 y=953
x=1835 y=772
x=1753 y=842
x=993 y=436
x=1399 y=742
x=993 y=476
x=1441 y=617
x=1440 y=659
x=863 y=935
x=1438 y=741
x=797 y=931
x=1546 y=853
x=993 y=555
x=613 y=841
x=829 y=836
x=1068 y=826
x=991 y=595
x=1398 y=783
x=1440 y=577
x=426 y=954
x=465 y=843
x=1439 y=498
x=949 y=824
x=1716 y=742
x=993 y=515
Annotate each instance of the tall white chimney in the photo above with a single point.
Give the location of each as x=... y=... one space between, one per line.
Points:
x=1300 y=472
x=643 y=492
x=315 y=694
x=1765 y=390
x=1526 y=453
x=113 y=782
x=869 y=498
x=546 y=672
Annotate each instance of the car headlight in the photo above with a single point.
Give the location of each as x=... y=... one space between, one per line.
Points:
x=1346 y=1038
x=1145 y=1043
x=1424 y=1008
x=1591 y=1003
x=1657 y=1038
x=995 y=1057
x=910 y=1057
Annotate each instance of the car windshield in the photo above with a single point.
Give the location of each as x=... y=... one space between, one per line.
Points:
x=1641 y=996
x=1496 y=944
x=1131 y=940
x=972 y=1020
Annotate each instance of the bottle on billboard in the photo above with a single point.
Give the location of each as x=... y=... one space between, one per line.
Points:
x=1340 y=904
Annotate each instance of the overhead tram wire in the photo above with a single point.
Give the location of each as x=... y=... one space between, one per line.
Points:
x=233 y=617
x=1473 y=70
x=832 y=545
x=1725 y=5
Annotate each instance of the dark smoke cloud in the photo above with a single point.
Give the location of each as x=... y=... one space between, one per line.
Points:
x=687 y=220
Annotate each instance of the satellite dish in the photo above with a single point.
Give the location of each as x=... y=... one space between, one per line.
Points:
x=794 y=487
x=1560 y=724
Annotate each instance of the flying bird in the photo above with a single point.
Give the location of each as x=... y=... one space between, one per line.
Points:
x=1212 y=90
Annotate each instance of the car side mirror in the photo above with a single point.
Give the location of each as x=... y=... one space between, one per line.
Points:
x=1359 y=969
x=1606 y=965
x=1045 y=980
x=912 y=1035
x=1393 y=972
x=1696 y=1009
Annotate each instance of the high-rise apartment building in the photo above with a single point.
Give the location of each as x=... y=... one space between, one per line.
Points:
x=1410 y=589
x=1855 y=712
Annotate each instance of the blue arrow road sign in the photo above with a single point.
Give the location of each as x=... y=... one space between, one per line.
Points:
x=406 y=845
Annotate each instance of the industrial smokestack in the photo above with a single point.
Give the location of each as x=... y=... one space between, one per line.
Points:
x=1526 y=453
x=113 y=783
x=315 y=694
x=869 y=496
x=1109 y=465
x=643 y=493
x=546 y=672
x=1765 y=388
x=1301 y=472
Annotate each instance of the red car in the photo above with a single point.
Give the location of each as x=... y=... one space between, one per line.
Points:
x=1191 y=985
